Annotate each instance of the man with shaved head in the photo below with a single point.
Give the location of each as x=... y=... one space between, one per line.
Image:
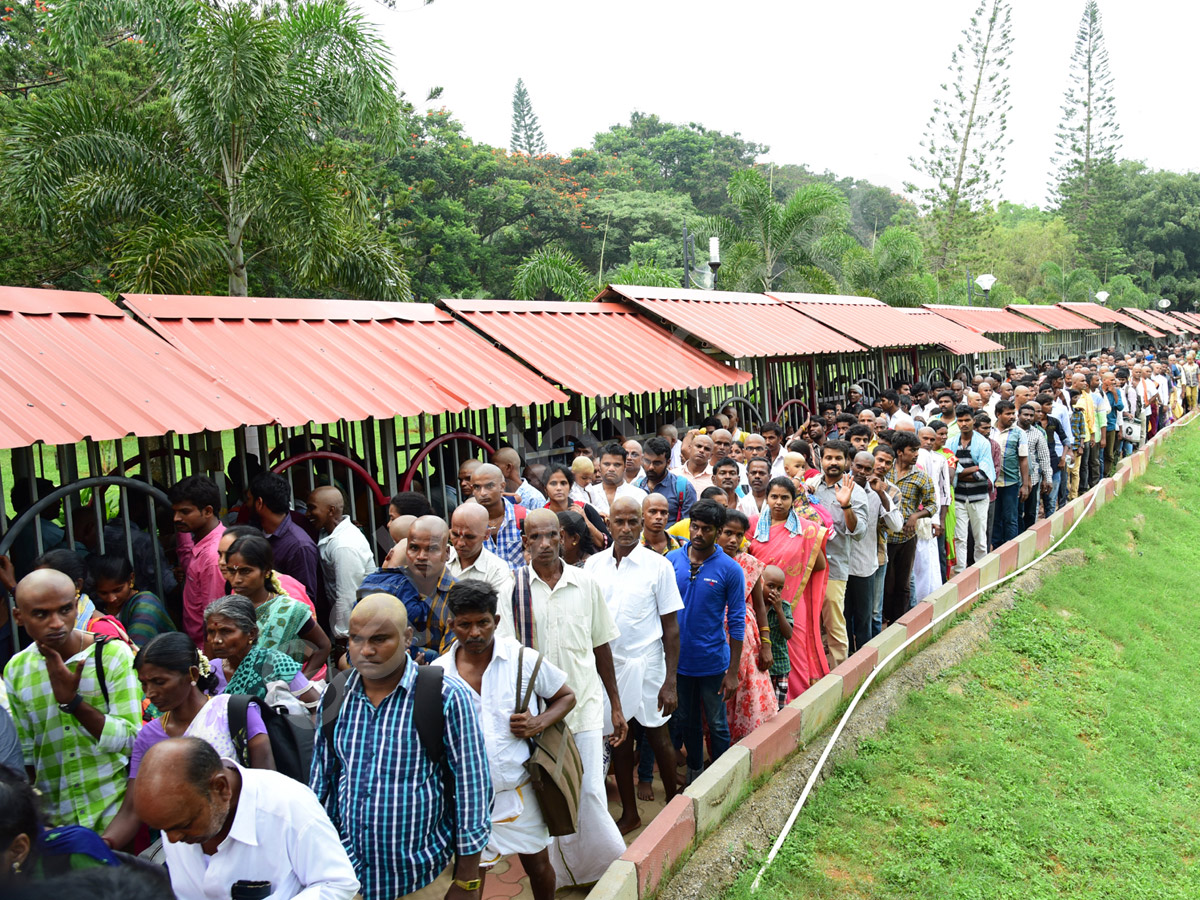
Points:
x=469 y=558
x=422 y=584
x=407 y=823
x=504 y=516
x=343 y=552
x=508 y=461
x=76 y=732
x=574 y=631
x=640 y=590
x=633 y=461
x=223 y=824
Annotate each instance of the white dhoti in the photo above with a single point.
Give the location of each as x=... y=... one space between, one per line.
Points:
x=517 y=826
x=926 y=570
x=581 y=858
x=638 y=682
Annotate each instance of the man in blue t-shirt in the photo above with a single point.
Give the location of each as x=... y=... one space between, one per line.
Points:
x=713 y=588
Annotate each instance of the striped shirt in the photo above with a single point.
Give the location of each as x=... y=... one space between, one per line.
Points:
x=388 y=801
x=507 y=543
x=82 y=779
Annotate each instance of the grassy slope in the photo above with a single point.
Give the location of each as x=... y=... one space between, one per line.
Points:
x=1063 y=760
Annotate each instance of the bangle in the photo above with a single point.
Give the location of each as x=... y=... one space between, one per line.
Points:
x=762 y=628
x=845 y=507
x=766 y=640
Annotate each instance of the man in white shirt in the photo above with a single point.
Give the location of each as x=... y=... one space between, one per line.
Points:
x=560 y=610
x=489 y=664
x=643 y=597
x=697 y=469
x=612 y=480
x=344 y=554
x=469 y=558
x=223 y=824
x=633 y=461
x=753 y=501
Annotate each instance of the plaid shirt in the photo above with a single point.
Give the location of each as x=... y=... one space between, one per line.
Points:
x=82 y=779
x=780 y=664
x=507 y=543
x=916 y=492
x=1078 y=426
x=388 y=801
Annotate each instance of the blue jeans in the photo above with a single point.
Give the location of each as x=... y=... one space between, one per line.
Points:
x=1008 y=503
x=877 y=599
x=1050 y=501
x=700 y=695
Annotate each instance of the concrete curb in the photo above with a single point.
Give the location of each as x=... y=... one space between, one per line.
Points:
x=705 y=803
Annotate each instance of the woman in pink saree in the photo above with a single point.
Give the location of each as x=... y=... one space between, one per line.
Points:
x=793 y=537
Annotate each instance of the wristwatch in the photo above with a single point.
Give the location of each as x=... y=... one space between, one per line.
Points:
x=472 y=885
x=71 y=705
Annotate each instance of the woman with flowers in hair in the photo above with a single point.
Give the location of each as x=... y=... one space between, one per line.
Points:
x=181 y=684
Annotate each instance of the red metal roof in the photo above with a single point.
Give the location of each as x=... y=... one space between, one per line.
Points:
x=1154 y=319
x=1053 y=317
x=871 y=322
x=739 y=325
x=1190 y=319
x=986 y=319
x=327 y=360
x=76 y=366
x=951 y=335
x=595 y=349
x=1103 y=314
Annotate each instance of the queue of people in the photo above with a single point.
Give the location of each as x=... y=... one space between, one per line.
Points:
x=320 y=724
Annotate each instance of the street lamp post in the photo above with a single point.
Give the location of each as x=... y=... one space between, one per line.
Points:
x=714 y=258
x=986 y=283
x=1102 y=297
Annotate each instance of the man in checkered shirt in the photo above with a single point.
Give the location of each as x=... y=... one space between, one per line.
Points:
x=76 y=729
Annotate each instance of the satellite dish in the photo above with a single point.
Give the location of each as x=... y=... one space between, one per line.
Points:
x=1164 y=303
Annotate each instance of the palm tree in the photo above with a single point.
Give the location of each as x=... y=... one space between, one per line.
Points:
x=1065 y=286
x=892 y=271
x=554 y=270
x=238 y=165
x=792 y=246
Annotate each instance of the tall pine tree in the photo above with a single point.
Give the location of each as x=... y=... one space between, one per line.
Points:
x=1084 y=180
x=526 y=133
x=962 y=157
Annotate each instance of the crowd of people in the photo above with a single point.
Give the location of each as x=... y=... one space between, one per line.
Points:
x=308 y=723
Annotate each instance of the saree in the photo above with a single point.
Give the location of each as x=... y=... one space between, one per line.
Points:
x=755 y=701
x=279 y=622
x=144 y=617
x=793 y=546
x=261 y=666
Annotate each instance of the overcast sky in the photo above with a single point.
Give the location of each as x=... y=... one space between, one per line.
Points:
x=842 y=86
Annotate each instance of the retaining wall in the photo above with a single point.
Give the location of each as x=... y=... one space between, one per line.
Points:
x=691 y=815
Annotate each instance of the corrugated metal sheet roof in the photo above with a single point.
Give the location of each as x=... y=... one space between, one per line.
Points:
x=76 y=366
x=327 y=360
x=1053 y=317
x=1154 y=319
x=871 y=322
x=987 y=319
x=1103 y=314
x=595 y=349
x=951 y=335
x=739 y=325
x=1190 y=319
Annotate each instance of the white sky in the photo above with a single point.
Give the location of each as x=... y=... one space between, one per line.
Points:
x=843 y=86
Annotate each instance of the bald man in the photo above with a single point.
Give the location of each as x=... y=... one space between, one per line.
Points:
x=504 y=516
x=421 y=584
x=508 y=461
x=75 y=734
x=343 y=552
x=223 y=824
x=574 y=632
x=642 y=595
x=469 y=559
x=397 y=820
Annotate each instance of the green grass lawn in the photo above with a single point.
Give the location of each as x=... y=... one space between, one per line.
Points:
x=1062 y=760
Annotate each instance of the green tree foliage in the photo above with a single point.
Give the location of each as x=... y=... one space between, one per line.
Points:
x=1085 y=181
x=1065 y=286
x=690 y=159
x=962 y=158
x=893 y=270
x=773 y=246
x=872 y=207
x=1020 y=240
x=552 y=270
x=235 y=169
x=1122 y=292
x=526 y=132
x=1160 y=230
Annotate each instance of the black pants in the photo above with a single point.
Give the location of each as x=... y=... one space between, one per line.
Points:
x=1093 y=465
x=858 y=611
x=897 y=582
x=1027 y=511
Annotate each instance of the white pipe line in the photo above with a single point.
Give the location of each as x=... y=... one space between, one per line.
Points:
x=812 y=779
